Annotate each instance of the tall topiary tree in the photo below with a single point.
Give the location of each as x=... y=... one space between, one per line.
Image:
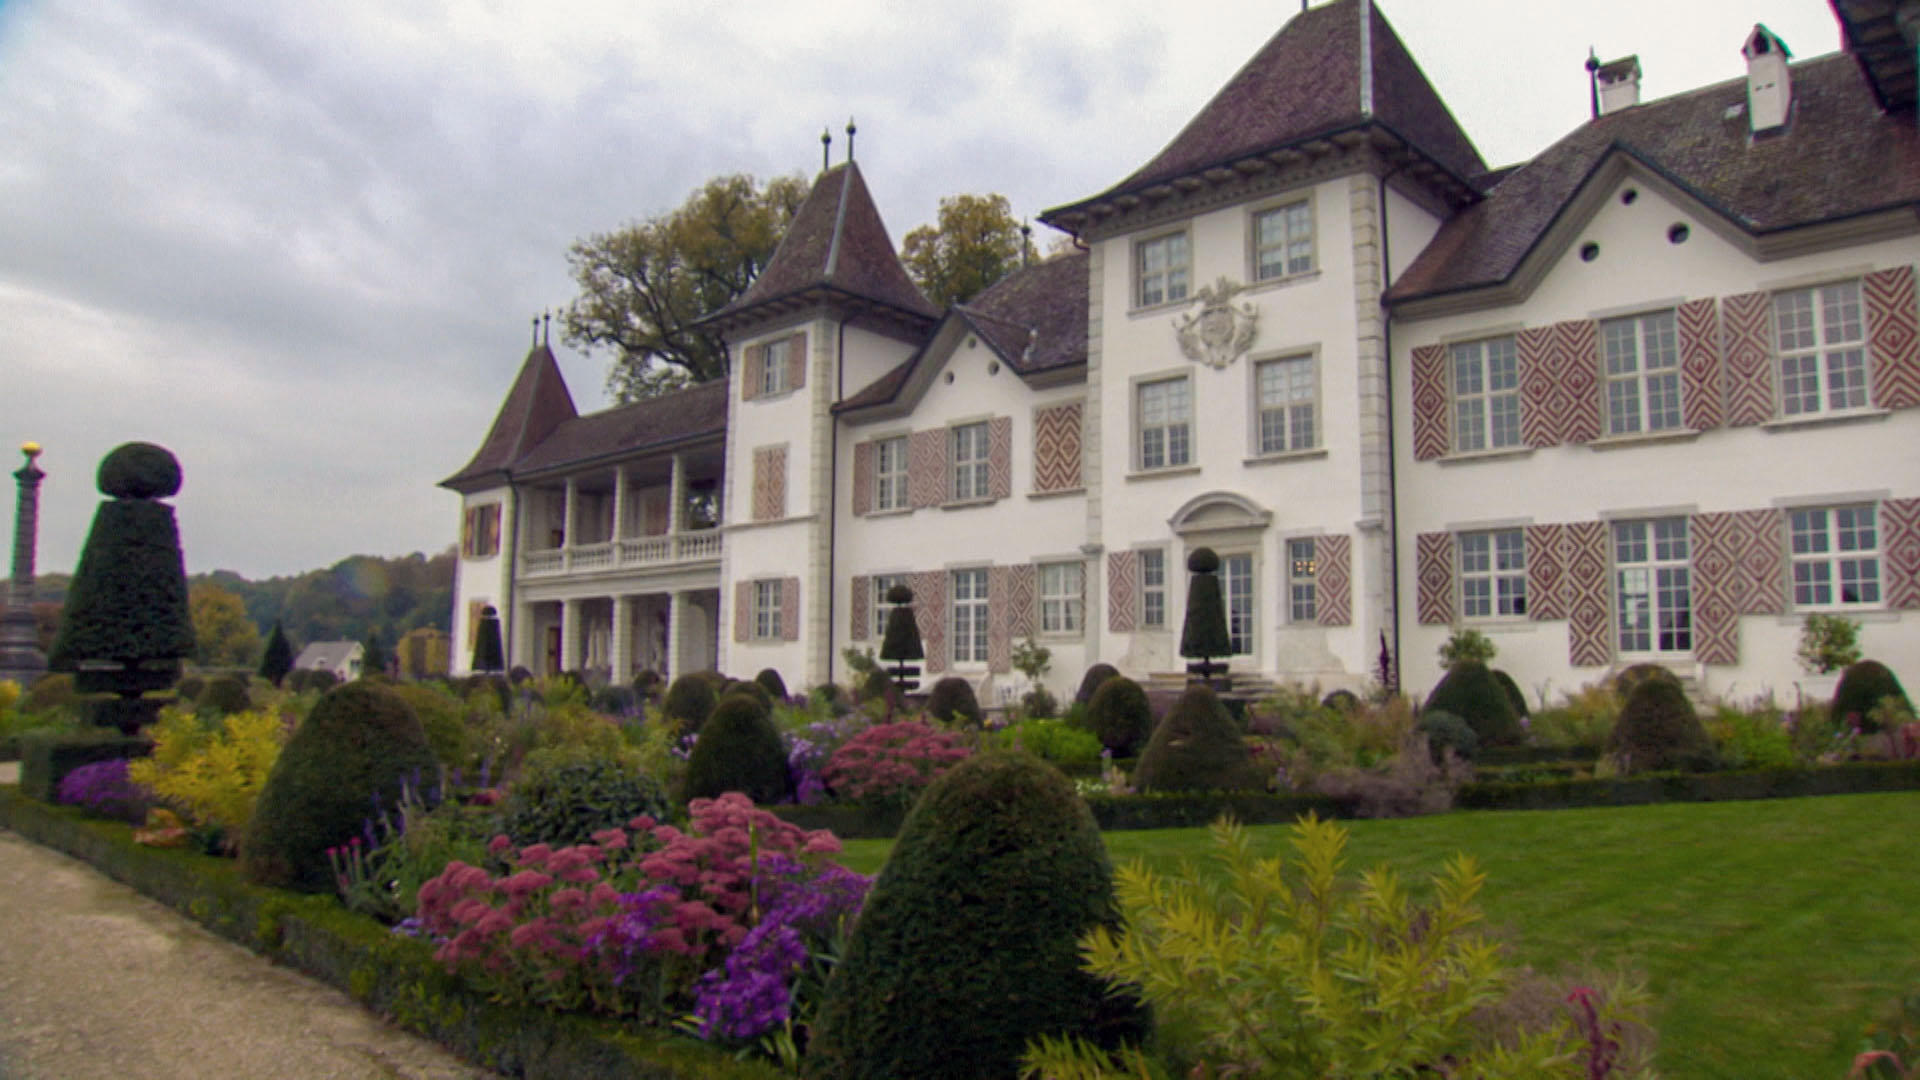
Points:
x=376 y=658
x=488 y=655
x=1196 y=747
x=1203 y=636
x=126 y=625
x=277 y=660
x=739 y=749
x=968 y=946
x=901 y=643
x=1471 y=692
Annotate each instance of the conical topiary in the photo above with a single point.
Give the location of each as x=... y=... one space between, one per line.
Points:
x=277 y=660
x=1196 y=747
x=1203 y=636
x=345 y=763
x=488 y=656
x=968 y=946
x=1659 y=729
x=1090 y=682
x=1470 y=691
x=1862 y=687
x=901 y=643
x=775 y=686
x=739 y=749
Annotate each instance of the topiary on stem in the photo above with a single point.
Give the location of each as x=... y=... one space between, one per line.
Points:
x=901 y=643
x=775 y=686
x=739 y=750
x=1203 y=636
x=1120 y=716
x=1196 y=747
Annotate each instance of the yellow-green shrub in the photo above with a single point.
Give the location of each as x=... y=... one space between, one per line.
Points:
x=211 y=776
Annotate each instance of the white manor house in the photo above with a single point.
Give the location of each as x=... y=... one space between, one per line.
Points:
x=1653 y=395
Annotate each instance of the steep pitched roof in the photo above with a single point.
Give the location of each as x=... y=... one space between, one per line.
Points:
x=1307 y=82
x=836 y=245
x=536 y=405
x=693 y=413
x=1839 y=156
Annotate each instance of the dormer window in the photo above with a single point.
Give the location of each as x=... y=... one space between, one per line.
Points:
x=1161 y=269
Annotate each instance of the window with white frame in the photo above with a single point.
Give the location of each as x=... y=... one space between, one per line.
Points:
x=1303 y=572
x=890 y=474
x=1836 y=556
x=1288 y=396
x=768 y=599
x=1061 y=590
x=1642 y=355
x=1153 y=588
x=1165 y=410
x=1822 y=345
x=773 y=366
x=970 y=462
x=1283 y=241
x=1485 y=376
x=1493 y=573
x=1653 y=586
x=970 y=616
x=1236 y=585
x=1161 y=267
x=882 y=607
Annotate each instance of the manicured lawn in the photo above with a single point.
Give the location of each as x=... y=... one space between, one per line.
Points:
x=1770 y=933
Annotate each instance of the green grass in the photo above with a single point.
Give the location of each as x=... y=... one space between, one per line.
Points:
x=1770 y=933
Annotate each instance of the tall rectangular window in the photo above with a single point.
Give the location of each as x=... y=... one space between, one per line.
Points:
x=890 y=474
x=970 y=462
x=970 y=616
x=1493 y=573
x=1836 y=556
x=1485 y=376
x=1653 y=586
x=1165 y=410
x=773 y=366
x=1823 y=352
x=1153 y=587
x=1161 y=269
x=1061 y=598
x=1288 y=397
x=480 y=532
x=1236 y=587
x=1283 y=241
x=1642 y=356
x=881 y=606
x=1303 y=572
x=768 y=598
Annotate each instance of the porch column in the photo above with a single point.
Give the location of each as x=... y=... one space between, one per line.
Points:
x=569 y=623
x=676 y=613
x=566 y=517
x=677 y=498
x=619 y=503
x=620 y=640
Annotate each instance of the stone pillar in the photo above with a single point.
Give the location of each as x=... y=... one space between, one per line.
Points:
x=677 y=496
x=619 y=503
x=20 y=657
x=620 y=640
x=569 y=624
x=676 y=615
x=567 y=531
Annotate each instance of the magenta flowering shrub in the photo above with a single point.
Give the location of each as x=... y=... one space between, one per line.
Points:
x=893 y=762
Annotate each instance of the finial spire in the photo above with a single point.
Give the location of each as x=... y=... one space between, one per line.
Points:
x=850 y=130
x=1593 y=81
x=1026 y=242
x=536 y=330
x=546 y=328
x=826 y=149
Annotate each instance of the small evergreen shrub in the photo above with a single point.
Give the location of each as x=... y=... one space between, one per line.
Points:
x=751 y=689
x=690 y=699
x=1514 y=695
x=1345 y=702
x=1467 y=645
x=356 y=748
x=1120 y=716
x=444 y=718
x=49 y=693
x=648 y=684
x=1196 y=748
x=617 y=700
x=739 y=750
x=276 y=660
x=1659 y=730
x=926 y=993
x=1828 y=643
x=775 y=686
x=1470 y=692
x=1203 y=633
x=1445 y=731
x=224 y=695
x=952 y=701
x=1039 y=702
x=875 y=685
x=1862 y=686
x=190 y=687
x=563 y=798
x=1091 y=681
x=1052 y=740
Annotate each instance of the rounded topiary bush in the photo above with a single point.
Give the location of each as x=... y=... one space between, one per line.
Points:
x=49 y=693
x=139 y=470
x=444 y=718
x=618 y=700
x=689 y=701
x=648 y=684
x=353 y=752
x=1196 y=747
x=968 y=946
x=1445 y=731
x=224 y=694
x=190 y=687
x=1470 y=692
x=1512 y=689
x=565 y=797
x=772 y=683
x=1090 y=682
x=751 y=689
x=739 y=749
x=1341 y=701
x=1629 y=679
x=1659 y=730
x=951 y=700
x=1862 y=687
x=1120 y=716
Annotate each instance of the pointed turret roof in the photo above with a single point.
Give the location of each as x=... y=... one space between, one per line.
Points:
x=837 y=248
x=538 y=403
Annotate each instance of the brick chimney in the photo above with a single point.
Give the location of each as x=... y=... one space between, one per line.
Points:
x=1619 y=84
x=1769 y=86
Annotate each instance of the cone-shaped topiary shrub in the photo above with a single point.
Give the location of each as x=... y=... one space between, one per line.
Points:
x=351 y=755
x=689 y=701
x=1203 y=636
x=951 y=700
x=224 y=694
x=1625 y=682
x=1658 y=730
x=739 y=750
x=488 y=655
x=1445 y=731
x=969 y=942
x=1120 y=716
x=775 y=686
x=1512 y=689
x=1862 y=686
x=563 y=797
x=1196 y=747
x=1090 y=682
x=1470 y=692
x=277 y=659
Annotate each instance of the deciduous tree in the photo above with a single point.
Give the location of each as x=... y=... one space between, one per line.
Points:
x=976 y=243
x=223 y=635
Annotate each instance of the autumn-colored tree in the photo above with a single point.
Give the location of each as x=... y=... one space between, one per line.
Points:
x=976 y=243
x=642 y=287
x=223 y=635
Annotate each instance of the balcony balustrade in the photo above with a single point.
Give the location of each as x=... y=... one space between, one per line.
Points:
x=675 y=549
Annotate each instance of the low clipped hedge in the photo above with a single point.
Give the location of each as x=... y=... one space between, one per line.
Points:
x=1847 y=778
x=46 y=758
x=395 y=977
x=1169 y=810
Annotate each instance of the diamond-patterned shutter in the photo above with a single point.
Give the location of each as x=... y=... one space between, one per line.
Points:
x=1739 y=568
x=1546 y=573
x=1056 y=447
x=1576 y=346
x=859 y=609
x=493 y=528
x=1430 y=424
x=1020 y=599
x=770 y=483
x=790 y=609
x=1893 y=336
x=1900 y=539
x=927 y=467
x=1746 y=333
x=999 y=622
x=797 y=361
x=1433 y=575
x=742 y=610
x=863 y=477
x=1123 y=591
x=1589 y=639
x=1000 y=457
x=1701 y=379
x=1539 y=386
x=753 y=368
x=930 y=612
x=1333 y=580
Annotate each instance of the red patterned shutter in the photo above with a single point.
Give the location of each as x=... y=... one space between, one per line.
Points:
x=1900 y=539
x=1056 y=448
x=930 y=612
x=1430 y=424
x=790 y=609
x=1893 y=336
x=474 y=607
x=1020 y=599
x=742 y=610
x=1700 y=376
x=797 y=361
x=1747 y=333
x=863 y=478
x=1539 y=386
x=1433 y=574
x=1589 y=629
x=1333 y=580
x=1123 y=591
x=1000 y=457
x=999 y=622
x=927 y=467
x=859 y=611
x=1576 y=345
x=1546 y=573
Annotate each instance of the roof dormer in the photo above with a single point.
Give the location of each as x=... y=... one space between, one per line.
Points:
x=1769 y=86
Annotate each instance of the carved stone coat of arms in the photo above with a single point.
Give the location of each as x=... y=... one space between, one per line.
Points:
x=1221 y=331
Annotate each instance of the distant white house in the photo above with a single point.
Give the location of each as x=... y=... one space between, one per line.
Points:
x=341 y=659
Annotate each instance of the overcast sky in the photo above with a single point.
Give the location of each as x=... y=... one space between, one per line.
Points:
x=299 y=243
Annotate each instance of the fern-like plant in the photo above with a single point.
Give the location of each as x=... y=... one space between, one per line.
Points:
x=211 y=777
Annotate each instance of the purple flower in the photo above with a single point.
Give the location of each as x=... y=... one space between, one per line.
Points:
x=101 y=787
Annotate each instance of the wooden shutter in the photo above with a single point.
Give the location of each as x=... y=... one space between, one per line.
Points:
x=1589 y=622
x=1123 y=591
x=1546 y=573
x=999 y=622
x=859 y=610
x=770 y=483
x=1539 y=379
x=493 y=528
x=1746 y=333
x=1698 y=322
x=927 y=468
x=474 y=608
x=796 y=361
x=1000 y=457
x=742 y=610
x=1056 y=447
x=1333 y=580
x=863 y=477
x=1431 y=423
x=1576 y=349
x=466 y=532
x=790 y=609
x=753 y=372
x=1739 y=568
x=930 y=612
x=1900 y=539
x=1020 y=599
x=1433 y=574
x=1893 y=337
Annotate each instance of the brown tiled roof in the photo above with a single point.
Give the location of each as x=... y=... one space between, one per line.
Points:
x=1305 y=83
x=1035 y=318
x=672 y=418
x=836 y=242
x=1839 y=156
x=536 y=405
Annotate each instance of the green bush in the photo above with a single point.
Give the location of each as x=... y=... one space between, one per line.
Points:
x=224 y=695
x=276 y=660
x=1659 y=730
x=1120 y=716
x=443 y=717
x=1862 y=686
x=875 y=685
x=1039 y=702
x=1053 y=740
x=190 y=687
x=47 y=757
x=616 y=700
x=775 y=686
x=690 y=700
x=648 y=684
x=751 y=689
x=1196 y=748
x=1467 y=645
x=1090 y=682
x=1752 y=740
x=50 y=693
x=1470 y=692
x=739 y=750
x=563 y=797
x=1203 y=633
x=951 y=701
x=968 y=946
x=1514 y=695
x=353 y=753
x=1445 y=731
x=1625 y=682
x=1583 y=722
x=1828 y=642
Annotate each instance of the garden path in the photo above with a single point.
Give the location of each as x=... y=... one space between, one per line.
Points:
x=97 y=981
